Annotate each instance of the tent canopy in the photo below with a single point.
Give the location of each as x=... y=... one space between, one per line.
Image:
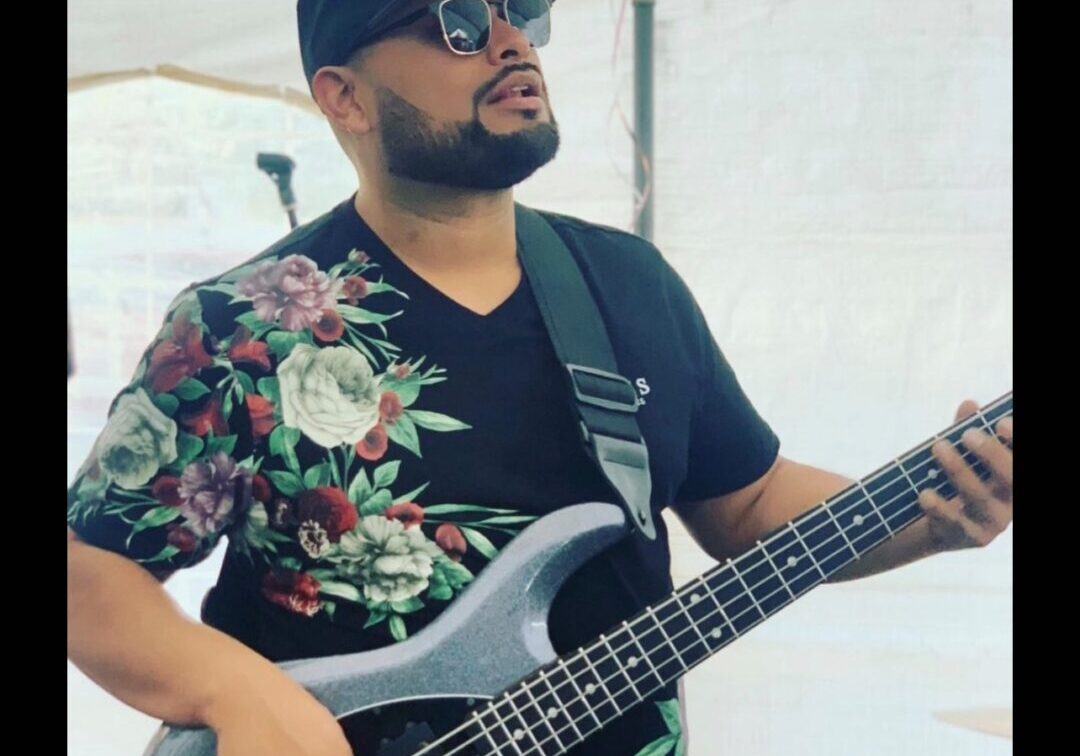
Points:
x=245 y=46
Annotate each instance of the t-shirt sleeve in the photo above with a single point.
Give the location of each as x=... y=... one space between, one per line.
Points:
x=731 y=445
x=165 y=478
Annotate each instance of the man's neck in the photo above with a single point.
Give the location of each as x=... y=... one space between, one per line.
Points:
x=442 y=230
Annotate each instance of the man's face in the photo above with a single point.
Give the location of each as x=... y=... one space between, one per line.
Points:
x=441 y=117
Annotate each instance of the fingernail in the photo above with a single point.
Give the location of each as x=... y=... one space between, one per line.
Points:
x=973 y=439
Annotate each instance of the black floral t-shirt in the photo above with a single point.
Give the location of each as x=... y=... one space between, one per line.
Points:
x=368 y=445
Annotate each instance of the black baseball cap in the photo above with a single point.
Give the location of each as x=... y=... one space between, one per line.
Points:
x=331 y=30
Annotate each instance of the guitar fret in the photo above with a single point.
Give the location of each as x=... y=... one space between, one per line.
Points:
x=719 y=607
x=746 y=588
x=877 y=511
x=678 y=599
x=599 y=678
x=554 y=711
x=510 y=739
x=645 y=656
x=809 y=552
x=907 y=477
x=580 y=693
x=660 y=627
x=777 y=570
x=842 y=533
x=478 y=721
x=526 y=726
x=543 y=716
x=618 y=663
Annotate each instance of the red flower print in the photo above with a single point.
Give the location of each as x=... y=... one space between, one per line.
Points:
x=166 y=490
x=330 y=508
x=373 y=445
x=209 y=418
x=292 y=590
x=407 y=513
x=243 y=349
x=260 y=489
x=261 y=411
x=390 y=409
x=450 y=540
x=330 y=327
x=178 y=357
x=355 y=288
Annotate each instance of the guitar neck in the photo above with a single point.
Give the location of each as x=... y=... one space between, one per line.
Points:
x=581 y=692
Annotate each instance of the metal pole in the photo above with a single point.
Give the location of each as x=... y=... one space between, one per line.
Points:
x=643 y=113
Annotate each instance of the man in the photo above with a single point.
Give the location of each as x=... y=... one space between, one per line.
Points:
x=371 y=409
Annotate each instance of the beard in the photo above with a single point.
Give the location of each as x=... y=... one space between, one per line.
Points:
x=462 y=154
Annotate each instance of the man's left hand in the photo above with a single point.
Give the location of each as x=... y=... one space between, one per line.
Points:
x=982 y=509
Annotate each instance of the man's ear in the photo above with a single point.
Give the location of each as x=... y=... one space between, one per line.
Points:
x=335 y=91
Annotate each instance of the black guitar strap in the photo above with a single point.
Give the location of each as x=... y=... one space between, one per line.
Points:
x=606 y=402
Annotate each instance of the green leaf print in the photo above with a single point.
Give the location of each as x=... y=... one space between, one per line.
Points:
x=376 y=503
x=224 y=444
x=167 y=403
x=188 y=447
x=480 y=542
x=341 y=590
x=283 y=440
x=155 y=518
x=245 y=382
x=374 y=618
x=673 y=741
x=457 y=508
x=282 y=342
x=403 y=433
x=271 y=389
x=386 y=474
x=317 y=476
x=166 y=553
x=190 y=389
x=408 y=606
x=289 y=484
x=665 y=744
x=411 y=495
x=435 y=421
x=360 y=488
x=364 y=317
x=397 y=628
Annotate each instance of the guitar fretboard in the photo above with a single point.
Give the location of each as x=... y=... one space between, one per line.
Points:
x=578 y=694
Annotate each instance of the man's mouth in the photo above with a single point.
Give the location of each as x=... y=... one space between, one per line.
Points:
x=519 y=90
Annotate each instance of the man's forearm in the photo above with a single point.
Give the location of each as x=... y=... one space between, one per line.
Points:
x=125 y=634
x=798 y=487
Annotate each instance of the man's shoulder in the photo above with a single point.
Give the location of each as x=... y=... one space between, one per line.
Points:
x=302 y=237
x=600 y=244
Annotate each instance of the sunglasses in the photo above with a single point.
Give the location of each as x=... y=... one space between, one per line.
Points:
x=466 y=24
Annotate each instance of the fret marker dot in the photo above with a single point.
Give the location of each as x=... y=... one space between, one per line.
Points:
x=519 y=734
x=590 y=689
x=632 y=661
x=552 y=713
x=695 y=598
x=716 y=633
x=470 y=701
x=932 y=474
x=857 y=519
x=792 y=561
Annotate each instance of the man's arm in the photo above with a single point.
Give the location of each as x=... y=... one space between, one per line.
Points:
x=726 y=526
x=128 y=636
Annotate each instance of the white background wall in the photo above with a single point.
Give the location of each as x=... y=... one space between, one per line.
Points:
x=834 y=180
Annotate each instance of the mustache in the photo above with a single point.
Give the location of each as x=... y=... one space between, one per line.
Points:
x=485 y=90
